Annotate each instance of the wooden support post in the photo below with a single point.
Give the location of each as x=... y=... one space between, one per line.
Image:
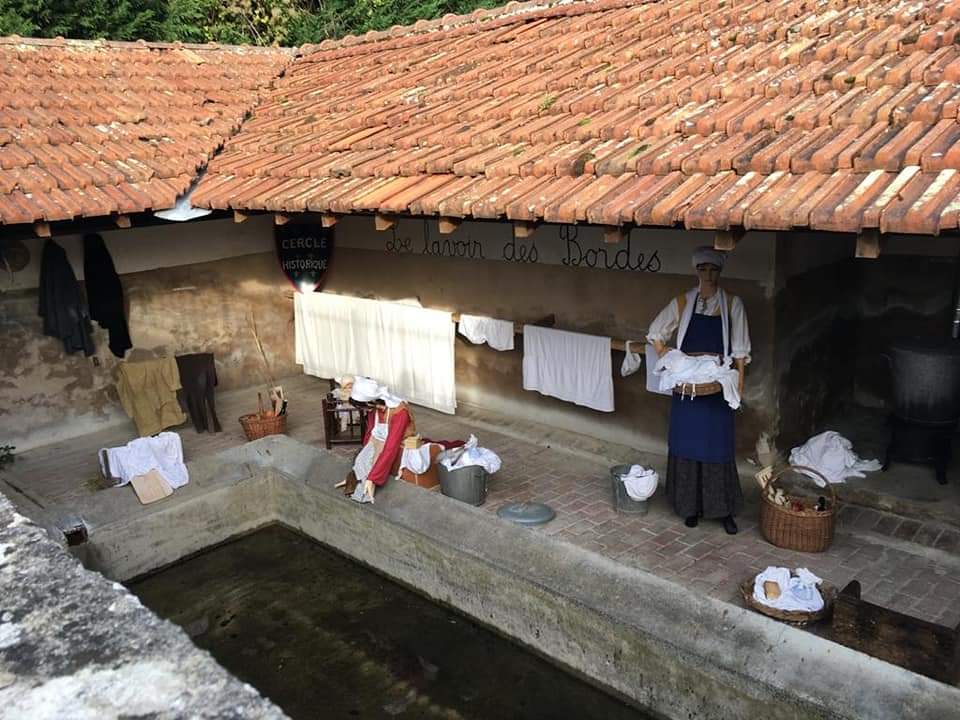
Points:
x=448 y=225
x=42 y=229
x=281 y=219
x=123 y=221
x=239 y=217
x=613 y=234
x=727 y=239
x=523 y=229
x=328 y=220
x=868 y=244
x=383 y=222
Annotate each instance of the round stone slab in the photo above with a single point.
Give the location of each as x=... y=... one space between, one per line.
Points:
x=527 y=513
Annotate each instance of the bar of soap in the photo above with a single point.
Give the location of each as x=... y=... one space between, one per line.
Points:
x=771 y=589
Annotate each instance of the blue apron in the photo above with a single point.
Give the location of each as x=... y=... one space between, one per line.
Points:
x=701 y=428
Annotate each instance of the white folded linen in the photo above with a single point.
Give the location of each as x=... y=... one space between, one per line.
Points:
x=408 y=349
x=677 y=368
x=831 y=454
x=569 y=366
x=479 y=329
x=798 y=593
x=640 y=482
x=162 y=452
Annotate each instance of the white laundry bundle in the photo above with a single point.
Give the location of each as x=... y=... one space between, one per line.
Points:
x=831 y=454
x=631 y=361
x=416 y=460
x=677 y=368
x=471 y=454
x=162 y=452
x=640 y=482
x=797 y=593
x=478 y=329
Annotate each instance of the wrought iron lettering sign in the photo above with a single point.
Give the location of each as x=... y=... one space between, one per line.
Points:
x=304 y=252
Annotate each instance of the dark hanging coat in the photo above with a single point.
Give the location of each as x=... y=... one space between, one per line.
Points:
x=105 y=293
x=62 y=308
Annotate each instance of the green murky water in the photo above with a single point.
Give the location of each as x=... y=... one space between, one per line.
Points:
x=325 y=638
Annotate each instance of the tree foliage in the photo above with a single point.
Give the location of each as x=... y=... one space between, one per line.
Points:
x=257 y=22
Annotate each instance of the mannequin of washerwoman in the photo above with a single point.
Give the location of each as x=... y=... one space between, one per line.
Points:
x=388 y=425
x=702 y=478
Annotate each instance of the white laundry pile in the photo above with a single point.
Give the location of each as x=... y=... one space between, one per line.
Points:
x=631 y=361
x=417 y=460
x=478 y=329
x=798 y=593
x=640 y=482
x=410 y=349
x=569 y=366
x=471 y=454
x=162 y=452
x=678 y=368
x=653 y=377
x=831 y=454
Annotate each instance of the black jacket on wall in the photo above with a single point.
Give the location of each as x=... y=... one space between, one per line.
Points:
x=61 y=305
x=105 y=293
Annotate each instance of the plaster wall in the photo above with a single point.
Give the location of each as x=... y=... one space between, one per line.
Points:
x=185 y=293
x=414 y=261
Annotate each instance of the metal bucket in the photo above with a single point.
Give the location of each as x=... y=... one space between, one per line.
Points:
x=622 y=502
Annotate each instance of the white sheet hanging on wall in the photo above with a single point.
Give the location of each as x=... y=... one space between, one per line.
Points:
x=569 y=366
x=408 y=349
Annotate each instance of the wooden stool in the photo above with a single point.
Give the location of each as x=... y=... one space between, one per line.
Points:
x=355 y=414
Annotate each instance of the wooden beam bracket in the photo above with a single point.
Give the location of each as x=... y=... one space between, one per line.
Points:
x=727 y=240
x=239 y=217
x=613 y=234
x=868 y=244
x=448 y=225
x=328 y=220
x=384 y=222
x=123 y=221
x=42 y=229
x=280 y=219
x=523 y=229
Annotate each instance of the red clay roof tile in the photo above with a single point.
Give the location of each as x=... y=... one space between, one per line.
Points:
x=704 y=113
x=149 y=110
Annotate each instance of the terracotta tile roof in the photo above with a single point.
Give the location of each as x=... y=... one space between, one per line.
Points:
x=773 y=114
x=94 y=128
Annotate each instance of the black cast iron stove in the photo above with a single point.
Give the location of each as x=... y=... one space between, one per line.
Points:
x=926 y=402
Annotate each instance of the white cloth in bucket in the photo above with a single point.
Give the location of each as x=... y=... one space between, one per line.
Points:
x=640 y=482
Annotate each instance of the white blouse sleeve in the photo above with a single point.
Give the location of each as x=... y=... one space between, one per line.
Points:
x=739 y=331
x=664 y=323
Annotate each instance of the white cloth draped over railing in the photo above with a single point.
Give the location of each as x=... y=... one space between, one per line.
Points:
x=409 y=349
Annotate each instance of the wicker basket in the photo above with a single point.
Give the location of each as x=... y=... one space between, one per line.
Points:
x=794 y=617
x=804 y=531
x=259 y=424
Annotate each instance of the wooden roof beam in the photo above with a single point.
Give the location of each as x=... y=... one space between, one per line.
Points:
x=868 y=244
x=448 y=225
x=523 y=229
x=384 y=222
x=727 y=240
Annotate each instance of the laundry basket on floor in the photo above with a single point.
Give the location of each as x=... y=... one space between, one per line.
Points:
x=622 y=502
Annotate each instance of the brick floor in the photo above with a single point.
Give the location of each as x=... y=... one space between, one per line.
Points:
x=918 y=574
x=872 y=547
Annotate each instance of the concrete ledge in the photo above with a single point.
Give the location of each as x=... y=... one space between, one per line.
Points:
x=74 y=645
x=680 y=654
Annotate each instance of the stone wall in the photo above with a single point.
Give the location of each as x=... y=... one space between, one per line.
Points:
x=415 y=262
x=188 y=288
x=835 y=315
